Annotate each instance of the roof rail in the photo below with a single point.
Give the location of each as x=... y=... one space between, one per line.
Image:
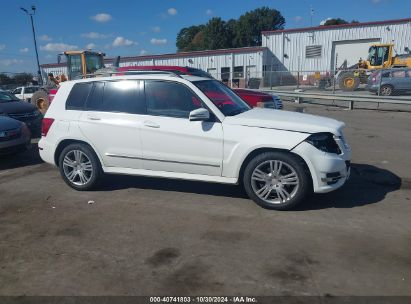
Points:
x=130 y=72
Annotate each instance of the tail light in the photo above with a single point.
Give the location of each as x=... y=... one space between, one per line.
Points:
x=52 y=93
x=45 y=126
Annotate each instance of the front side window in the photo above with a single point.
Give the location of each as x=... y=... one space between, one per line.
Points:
x=223 y=97
x=17 y=91
x=165 y=98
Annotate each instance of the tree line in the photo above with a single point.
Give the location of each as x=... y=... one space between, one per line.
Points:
x=242 y=32
x=219 y=34
x=16 y=79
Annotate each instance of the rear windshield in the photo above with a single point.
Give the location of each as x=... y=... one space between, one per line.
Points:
x=223 y=97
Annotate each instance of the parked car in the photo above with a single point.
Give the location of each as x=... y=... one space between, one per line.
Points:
x=25 y=93
x=25 y=112
x=191 y=128
x=253 y=98
x=394 y=82
x=14 y=136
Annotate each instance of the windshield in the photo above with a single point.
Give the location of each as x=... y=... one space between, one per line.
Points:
x=6 y=97
x=93 y=63
x=222 y=97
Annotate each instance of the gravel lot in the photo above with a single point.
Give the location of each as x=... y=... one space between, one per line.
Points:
x=145 y=236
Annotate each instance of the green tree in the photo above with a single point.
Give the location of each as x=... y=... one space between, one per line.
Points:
x=5 y=79
x=215 y=36
x=218 y=34
x=250 y=25
x=186 y=36
x=337 y=21
x=23 y=78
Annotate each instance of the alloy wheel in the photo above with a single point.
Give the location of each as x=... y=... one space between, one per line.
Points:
x=77 y=167
x=275 y=182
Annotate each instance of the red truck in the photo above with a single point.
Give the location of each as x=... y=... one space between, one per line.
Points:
x=252 y=98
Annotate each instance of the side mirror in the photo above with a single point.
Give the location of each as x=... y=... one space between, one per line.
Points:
x=200 y=114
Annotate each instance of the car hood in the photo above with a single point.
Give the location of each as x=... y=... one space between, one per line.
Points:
x=7 y=123
x=16 y=107
x=286 y=120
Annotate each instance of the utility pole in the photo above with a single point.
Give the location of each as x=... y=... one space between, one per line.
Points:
x=31 y=14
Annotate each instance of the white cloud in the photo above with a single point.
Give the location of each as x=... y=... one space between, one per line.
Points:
x=156 y=29
x=102 y=17
x=209 y=12
x=121 y=41
x=172 y=11
x=91 y=46
x=297 y=19
x=58 y=47
x=24 y=50
x=2 y=47
x=94 y=35
x=45 y=38
x=143 y=52
x=9 y=62
x=158 y=41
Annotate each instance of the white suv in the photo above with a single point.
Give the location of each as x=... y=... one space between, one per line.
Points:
x=192 y=128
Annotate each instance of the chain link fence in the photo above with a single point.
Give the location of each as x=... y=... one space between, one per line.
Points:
x=394 y=81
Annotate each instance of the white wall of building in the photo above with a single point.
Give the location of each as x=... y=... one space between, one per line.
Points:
x=293 y=44
x=254 y=59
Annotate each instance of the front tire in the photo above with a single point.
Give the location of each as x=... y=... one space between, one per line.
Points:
x=276 y=180
x=80 y=167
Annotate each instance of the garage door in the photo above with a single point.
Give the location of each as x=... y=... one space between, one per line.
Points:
x=350 y=50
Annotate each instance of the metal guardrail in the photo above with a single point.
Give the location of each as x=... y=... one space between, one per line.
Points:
x=300 y=96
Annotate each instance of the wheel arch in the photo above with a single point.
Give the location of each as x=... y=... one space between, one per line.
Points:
x=261 y=150
x=65 y=142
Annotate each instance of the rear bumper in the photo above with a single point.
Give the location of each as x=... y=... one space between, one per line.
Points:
x=46 y=151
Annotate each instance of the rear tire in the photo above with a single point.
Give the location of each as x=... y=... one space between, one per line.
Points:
x=277 y=180
x=41 y=100
x=80 y=167
x=386 y=90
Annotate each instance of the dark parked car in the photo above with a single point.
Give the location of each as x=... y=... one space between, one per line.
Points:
x=393 y=82
x=14 y=135
x=25 y=112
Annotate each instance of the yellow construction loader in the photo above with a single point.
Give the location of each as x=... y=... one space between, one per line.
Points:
x=379 y=56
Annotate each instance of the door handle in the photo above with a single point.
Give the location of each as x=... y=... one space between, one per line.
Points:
x=92 y=117
x=151 y=124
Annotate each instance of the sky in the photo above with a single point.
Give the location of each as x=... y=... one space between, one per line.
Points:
x=140 y=27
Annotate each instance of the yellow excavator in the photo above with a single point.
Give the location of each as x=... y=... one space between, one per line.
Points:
x=379 y=56
x=80 y=64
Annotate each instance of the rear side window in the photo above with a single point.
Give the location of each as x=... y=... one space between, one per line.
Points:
x=398 y=74
x=117 y=96
x=78 y=96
